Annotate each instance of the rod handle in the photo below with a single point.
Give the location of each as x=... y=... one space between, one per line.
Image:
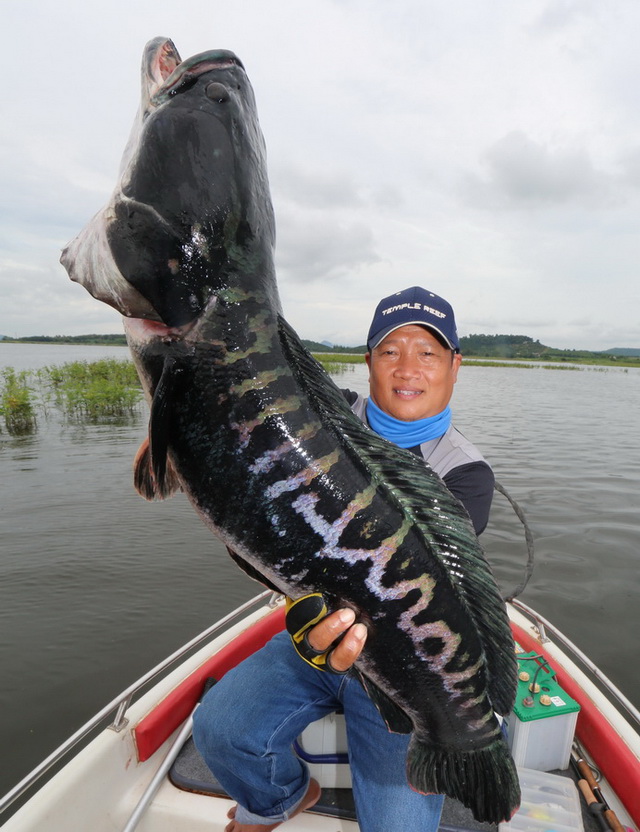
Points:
x=588 y=795
x=585 y=771
x=612 y=820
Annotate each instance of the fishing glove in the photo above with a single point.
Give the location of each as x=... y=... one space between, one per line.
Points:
x=301 y=615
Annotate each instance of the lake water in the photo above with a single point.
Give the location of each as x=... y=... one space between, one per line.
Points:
x=97 y=586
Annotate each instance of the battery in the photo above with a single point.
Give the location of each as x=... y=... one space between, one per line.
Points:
x=541 y=727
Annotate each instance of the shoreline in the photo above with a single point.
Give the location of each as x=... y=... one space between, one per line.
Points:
x=546 y=362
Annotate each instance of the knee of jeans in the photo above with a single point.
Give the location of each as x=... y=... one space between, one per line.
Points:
x=213 y=727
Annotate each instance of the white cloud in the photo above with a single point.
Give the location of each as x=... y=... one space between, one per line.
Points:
x=522 y=172
x=489 y=151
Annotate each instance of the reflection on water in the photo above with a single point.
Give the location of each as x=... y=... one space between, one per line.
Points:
x=96 y=585
x=36 y=356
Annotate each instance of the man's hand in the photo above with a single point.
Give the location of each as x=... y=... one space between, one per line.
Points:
x=322 y=636
x=314 y=632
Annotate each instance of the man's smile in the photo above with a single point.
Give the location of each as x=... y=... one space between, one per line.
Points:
x=407 y=394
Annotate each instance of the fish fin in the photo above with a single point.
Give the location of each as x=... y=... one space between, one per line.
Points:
x=159 y=424
x=144 y=480
x=251 y=571
x=450 y=535
x=395 y=718
x=484 y=780
x=142 y=477
x=154 y=476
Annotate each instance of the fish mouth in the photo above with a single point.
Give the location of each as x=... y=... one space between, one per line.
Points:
x=144 y=329
x=147 y=330
x=167 y=74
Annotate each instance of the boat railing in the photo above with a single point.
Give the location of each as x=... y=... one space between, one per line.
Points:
x=543 y=626
x=121 y=703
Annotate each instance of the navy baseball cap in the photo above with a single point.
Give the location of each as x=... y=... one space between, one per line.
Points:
x=414 y=306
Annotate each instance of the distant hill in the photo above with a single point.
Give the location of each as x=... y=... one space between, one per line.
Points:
x=324 y=346
x=477 y=346
x=515 y=347
x=629 y=351
x=523 y=347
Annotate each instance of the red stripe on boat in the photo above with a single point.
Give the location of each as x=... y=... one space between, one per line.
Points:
x=611 y=754
x=162 y=721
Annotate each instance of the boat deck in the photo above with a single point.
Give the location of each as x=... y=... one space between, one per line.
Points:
x=119 y=778
x=190 y=773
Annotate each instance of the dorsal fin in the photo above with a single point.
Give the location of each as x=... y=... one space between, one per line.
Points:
x=454 y=543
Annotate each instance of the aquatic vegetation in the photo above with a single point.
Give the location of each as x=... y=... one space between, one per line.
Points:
x=479 y=362
x=339 y=357
x=94 y=390
x=17 y=402
x=337 y=367
x=338 y=363
x=80 y=390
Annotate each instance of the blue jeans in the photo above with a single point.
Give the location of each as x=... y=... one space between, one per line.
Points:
x=246 y=724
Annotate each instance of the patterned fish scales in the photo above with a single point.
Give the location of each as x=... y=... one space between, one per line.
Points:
x=251 y=428
x=323 y=505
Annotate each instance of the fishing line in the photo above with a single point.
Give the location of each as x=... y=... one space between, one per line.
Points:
x=528 y=569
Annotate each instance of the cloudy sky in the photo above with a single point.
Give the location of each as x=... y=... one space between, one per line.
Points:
x=489 y=151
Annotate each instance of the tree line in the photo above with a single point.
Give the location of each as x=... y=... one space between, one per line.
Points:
x=481 y=346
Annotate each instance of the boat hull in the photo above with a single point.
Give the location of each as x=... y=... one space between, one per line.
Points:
x=100 y=786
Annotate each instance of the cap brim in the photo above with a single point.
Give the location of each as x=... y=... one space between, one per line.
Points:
x=383 y=334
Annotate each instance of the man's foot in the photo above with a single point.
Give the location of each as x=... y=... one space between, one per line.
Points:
x=312 y=796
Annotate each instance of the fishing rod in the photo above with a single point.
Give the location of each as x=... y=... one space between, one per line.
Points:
x=590 y=790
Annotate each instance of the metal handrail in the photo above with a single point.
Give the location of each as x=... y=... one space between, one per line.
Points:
x=543 y=625
x=123 y=700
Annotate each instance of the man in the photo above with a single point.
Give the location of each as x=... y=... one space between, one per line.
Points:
x=246 y=724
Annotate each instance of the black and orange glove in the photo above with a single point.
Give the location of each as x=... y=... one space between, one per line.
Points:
x=301 y=615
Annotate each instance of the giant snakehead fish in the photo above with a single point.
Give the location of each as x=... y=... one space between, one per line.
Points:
x=251 y=428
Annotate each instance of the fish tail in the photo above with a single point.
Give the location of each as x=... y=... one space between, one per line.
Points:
x=484 y=780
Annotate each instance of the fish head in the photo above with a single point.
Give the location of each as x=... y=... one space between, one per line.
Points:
x=192 y=210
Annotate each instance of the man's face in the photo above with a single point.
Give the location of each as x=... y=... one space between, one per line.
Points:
x=411 y=375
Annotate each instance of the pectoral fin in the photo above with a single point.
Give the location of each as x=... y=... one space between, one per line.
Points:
x=154 y=476
x=395 y=718
x=144 y=480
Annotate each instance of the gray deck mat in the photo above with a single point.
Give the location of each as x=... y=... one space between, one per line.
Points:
x=190 y=773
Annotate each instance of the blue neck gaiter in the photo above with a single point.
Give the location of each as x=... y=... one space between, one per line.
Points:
x=407 y=434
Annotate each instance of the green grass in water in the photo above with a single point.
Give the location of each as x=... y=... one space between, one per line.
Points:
x=95 y=390
x=17 y=405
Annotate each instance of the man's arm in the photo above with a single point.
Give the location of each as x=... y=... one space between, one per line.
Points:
x=473 y=485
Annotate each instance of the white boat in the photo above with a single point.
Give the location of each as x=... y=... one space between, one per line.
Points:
x=142 y=772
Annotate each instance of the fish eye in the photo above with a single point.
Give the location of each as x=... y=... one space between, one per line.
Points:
x=217 y=92
x=184 y=86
